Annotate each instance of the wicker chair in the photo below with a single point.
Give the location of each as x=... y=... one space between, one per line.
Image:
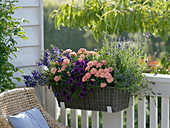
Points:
x=18 y=100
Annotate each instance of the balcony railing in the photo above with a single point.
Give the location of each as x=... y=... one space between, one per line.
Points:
x=150 y=112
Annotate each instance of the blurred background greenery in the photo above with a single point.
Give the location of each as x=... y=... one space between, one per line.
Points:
x=75 y=39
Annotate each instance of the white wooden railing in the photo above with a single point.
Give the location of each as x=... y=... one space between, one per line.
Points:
x=143 y=113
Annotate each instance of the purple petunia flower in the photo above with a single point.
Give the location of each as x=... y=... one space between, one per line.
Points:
x=72 y=76
x=86 y=61
x=72 y=89
x=91 y=90
x=77 y=63
x=84 y=90
x=77 y=77
x=91 y=83
x=75 y=70
x=64 y=93
x=82 y=71
x=79 y=84
x=60 y=59
x=70 y=81
x=81 y=95
x=68 y=98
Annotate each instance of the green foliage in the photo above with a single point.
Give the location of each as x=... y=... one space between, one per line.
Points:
x=65 y=37
x=114 y=17
x=9 y=27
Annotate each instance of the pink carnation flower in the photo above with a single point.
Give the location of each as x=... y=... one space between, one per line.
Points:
x=53 y=70
x=73 y=54
x=91 y=52
x=87 y=68
x=99 y=65
x=104 y=62
x=82 y=56
x=93 y=71
x=102 y=85
x=56 y=78
x=90 y=64
x=97 y=74
x=63 y=68
x=95 y=62
x=110 y=69
x=107 y=75
x=88 y=75
x=100 y=70
x=110 y=80
x=102 y=75
x=66 y=61
x=67 y=50
x=106 y=70
x=84 y=78
x=82 y=50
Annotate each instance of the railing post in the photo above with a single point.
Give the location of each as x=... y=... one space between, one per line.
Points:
x=113 y=120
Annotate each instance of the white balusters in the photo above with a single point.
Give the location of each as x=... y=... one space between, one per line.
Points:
x=113 y=120
x=95 y=119
x=63 y=116
x=130 y=117
x=84 y=119
x=165 y=113
x=74 y=118
x=142 y=113
x=153 y=112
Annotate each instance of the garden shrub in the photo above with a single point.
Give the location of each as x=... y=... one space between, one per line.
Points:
x=9 y=28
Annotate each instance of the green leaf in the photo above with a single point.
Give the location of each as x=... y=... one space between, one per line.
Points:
x=18 y=79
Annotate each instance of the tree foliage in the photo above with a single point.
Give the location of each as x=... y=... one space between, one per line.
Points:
x=9 y=28
x=65 y=37
x=116 y=16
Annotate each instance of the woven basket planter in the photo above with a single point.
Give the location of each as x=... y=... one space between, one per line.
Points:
x=101 y=99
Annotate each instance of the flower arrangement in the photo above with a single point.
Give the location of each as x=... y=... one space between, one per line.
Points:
x=116 y=64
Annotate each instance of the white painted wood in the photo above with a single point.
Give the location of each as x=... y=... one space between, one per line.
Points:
x=84 y=119
x=112 y=120
x=95 y=119
x=41 y=17
x=26 y=56
x=153 y=112
x=33 y=33
x=50 y=102
x=63 y=116
x=30 y=14
x=74 y=118
x=130 y=117
x=165 y=112
x=142 y=113
x=27 y=3
x=158 y=78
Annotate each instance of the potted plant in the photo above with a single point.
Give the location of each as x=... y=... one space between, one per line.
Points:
x=100 y=80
